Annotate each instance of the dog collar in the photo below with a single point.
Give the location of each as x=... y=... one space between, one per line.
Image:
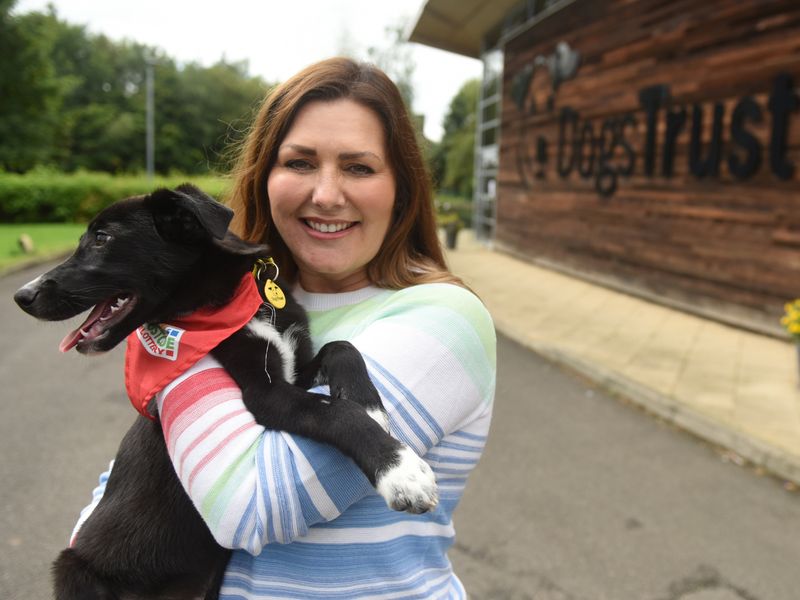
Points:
x=157 y=353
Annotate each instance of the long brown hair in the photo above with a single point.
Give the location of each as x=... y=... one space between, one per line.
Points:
x=411 y=252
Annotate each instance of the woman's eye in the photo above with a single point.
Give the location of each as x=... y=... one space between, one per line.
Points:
x=360 y=170
x=100 y=238
x=298 y=164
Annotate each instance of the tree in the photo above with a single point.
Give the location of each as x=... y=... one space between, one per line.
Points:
x=395 y=60
x=455 y=156
x=30 y=94
x=75 y=100
x=210 y=106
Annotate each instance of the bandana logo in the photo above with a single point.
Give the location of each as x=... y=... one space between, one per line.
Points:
x=162 y=340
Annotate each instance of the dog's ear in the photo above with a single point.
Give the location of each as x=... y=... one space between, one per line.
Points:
x=232 y=244
x=186 y=214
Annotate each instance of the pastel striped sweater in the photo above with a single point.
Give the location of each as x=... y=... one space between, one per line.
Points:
x=305 y=519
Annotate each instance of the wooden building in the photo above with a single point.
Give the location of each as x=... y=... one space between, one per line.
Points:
x=649 y=145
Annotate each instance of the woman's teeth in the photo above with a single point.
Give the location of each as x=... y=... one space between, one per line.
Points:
x=328 y=227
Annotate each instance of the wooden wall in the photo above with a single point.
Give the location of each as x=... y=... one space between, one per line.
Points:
x=717 y=243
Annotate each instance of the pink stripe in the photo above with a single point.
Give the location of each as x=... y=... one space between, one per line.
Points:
x=204 y=436
x=211 y=455
x=199 y=387
x=187 y=418
x=224 y=400
x=193 y=389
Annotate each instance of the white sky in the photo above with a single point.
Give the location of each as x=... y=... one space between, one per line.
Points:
x=276 y=38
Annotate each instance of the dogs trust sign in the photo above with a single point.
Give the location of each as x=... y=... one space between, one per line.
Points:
x=603 y=150
x=654 y=147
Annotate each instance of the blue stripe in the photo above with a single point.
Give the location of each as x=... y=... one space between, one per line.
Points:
x=469 y=436
x=333 y=567
x=310 y=512
x=280 y=493
x=460 y=481
x=452 y=446
x=408 y=396
x=249 y=512
x=413 y=590
x=342 y=480
x=402 y=412
x=432 y=455
x=437 y=470
x=264 y=491
x=287 y=486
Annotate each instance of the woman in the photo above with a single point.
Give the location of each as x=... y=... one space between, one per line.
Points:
x=332 y=178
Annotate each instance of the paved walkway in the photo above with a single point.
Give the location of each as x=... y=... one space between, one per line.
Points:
x=732 y=387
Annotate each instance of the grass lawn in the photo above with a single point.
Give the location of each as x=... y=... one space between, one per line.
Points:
x=52 y=239
x=49 y=240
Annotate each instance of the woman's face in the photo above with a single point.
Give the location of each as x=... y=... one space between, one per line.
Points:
x=332 y=192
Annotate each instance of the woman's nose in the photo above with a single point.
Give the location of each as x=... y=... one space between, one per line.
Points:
x=327 y=191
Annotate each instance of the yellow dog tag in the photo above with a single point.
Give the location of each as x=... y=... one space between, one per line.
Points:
x=274 y=294
x=272 y=291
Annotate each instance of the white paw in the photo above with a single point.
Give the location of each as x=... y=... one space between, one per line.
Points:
x=409 y=485
x=380 y=417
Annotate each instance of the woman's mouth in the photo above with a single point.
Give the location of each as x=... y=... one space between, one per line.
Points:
x=329 y=228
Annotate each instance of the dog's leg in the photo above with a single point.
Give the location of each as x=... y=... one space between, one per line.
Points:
x=218 y=576
x=405 y=481
x=341 y=366
x=75 y=580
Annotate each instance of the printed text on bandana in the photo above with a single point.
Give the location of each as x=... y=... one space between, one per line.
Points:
x=160 y=340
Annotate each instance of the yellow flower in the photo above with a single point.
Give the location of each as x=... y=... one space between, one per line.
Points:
x=791 y=320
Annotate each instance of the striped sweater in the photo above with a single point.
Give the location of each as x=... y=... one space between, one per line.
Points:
x=305 y=519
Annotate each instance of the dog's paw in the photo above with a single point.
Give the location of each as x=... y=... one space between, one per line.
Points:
x=408 y=485
x=380 y=417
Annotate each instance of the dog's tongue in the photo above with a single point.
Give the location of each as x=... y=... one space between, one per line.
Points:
x=72 y=338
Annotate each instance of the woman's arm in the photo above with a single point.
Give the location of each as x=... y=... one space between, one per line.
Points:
x=433 y=364
x=97 y=495
x=252 y=485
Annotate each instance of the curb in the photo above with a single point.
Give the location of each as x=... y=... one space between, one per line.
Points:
x=36 y=261
x=761 y=454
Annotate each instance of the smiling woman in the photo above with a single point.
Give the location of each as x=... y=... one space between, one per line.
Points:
x=332 y=179
x=410 y=252
x=331 y=193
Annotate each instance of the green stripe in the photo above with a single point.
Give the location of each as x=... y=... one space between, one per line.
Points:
x=218 y=499
x=451 y=314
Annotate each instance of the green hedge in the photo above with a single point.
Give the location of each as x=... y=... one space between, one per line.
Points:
x=448 y=206
x=48 y=197
x=53 y=197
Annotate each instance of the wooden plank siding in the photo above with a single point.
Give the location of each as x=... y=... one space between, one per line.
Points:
x=720 y=245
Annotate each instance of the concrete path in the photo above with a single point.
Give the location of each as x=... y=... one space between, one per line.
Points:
x=578 y=496
x=581 y=497
x=729 y=386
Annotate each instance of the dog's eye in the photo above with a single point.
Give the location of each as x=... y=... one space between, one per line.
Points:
x=100 y=238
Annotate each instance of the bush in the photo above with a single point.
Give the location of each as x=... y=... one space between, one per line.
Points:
x=52 y=197
x=449 y=207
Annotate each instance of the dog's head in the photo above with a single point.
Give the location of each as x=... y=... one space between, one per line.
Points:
x=132 y=263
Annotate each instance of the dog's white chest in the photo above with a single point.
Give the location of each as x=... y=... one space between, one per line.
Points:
x=285 y=344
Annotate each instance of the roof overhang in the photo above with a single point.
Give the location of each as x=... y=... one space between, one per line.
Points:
x=459 y=25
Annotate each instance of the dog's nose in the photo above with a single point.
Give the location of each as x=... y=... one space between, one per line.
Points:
x=26 y=295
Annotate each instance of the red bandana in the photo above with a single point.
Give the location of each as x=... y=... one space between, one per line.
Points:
x=157 y=354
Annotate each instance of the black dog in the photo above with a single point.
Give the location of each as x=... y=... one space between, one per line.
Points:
x=148 y=260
